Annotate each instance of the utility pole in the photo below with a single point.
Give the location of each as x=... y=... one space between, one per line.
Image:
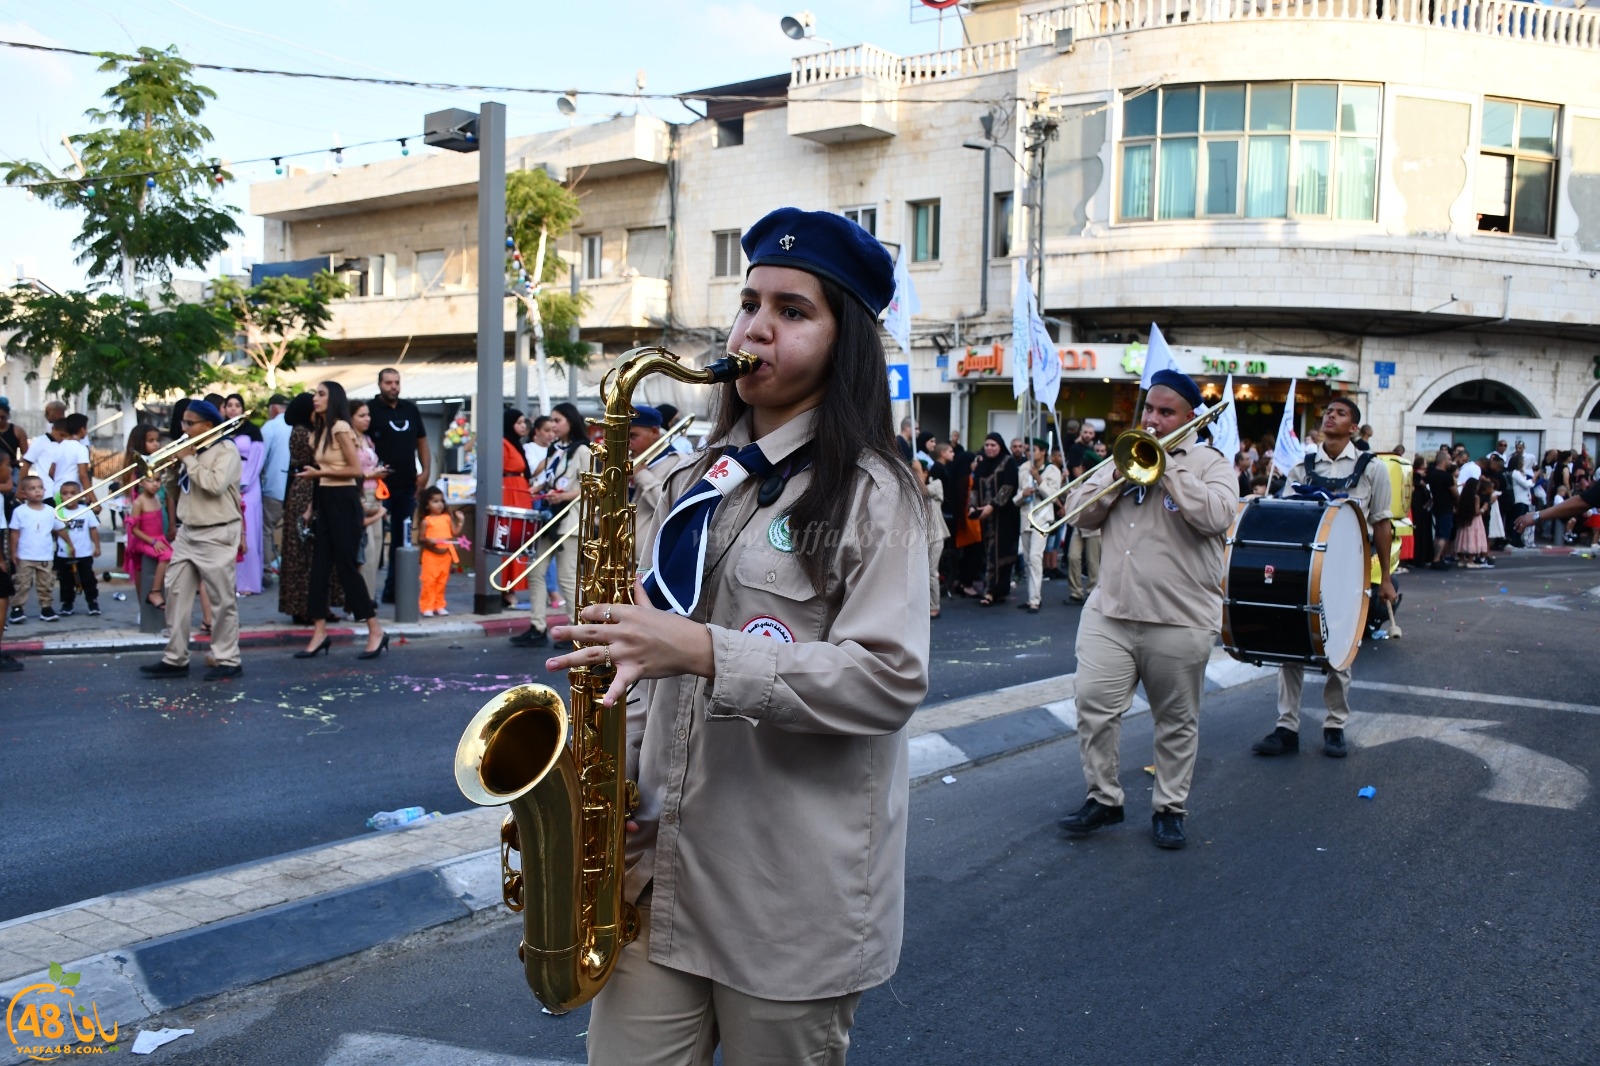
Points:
x=487 y=404
x=1038 y=134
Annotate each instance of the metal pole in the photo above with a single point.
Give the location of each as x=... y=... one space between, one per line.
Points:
x=572 y=335
x=491 y=341
x=983 y=259
x=521 y=373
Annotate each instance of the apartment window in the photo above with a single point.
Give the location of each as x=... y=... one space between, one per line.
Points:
x=728 y=262
x=730 y=132
x=865 y=217
x=925 y=231
x=430 y=270
x=1001 y=238
x=647 y=252
x=1517 y=168
x=1259 y=150
x=593 y=249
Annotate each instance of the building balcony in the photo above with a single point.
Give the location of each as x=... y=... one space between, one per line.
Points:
x=451 y=313
x=625 y=303
x=1509 y=19
x=852 y=94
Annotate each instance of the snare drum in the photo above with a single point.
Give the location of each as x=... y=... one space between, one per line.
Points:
x=1295 y=585
x=510 y=528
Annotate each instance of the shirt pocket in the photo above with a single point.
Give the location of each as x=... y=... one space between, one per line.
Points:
x=773 y=572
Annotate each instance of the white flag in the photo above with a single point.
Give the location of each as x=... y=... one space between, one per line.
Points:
x=1288 y=452
x=897 y=319
x=1225 y=430
x=1022 y=316
x=1046 y=362
x=1158 y=357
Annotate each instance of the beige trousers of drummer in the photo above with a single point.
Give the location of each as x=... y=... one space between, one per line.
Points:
x=1085 y=548
x=203 y=556
x=1335 y=694
x=1114 y=655
x=653 y=1015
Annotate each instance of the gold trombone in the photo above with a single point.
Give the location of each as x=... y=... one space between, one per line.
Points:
x=644 y=458
x=1139 y=456
x=151 y=465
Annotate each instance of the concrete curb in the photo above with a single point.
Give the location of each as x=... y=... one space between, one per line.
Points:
x=126 y=641
x=152 y=976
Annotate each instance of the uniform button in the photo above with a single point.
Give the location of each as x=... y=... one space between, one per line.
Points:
x=1133 y=525
x=771 y=576
x=669 y=818
x=1127 y=553
x=683 y=734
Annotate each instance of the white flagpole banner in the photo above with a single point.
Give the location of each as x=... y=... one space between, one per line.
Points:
x=897 y=320
x=1022 y=315
x=1046 y=363
x=1225 y=430
x=1288 y=451
x=1158 y=357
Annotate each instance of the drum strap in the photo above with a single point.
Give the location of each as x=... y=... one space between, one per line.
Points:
x=1335 y=487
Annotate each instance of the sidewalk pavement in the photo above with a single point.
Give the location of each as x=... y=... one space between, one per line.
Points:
x=116 y=629
x=152 y=950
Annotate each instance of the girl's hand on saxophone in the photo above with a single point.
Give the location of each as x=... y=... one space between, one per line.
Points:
x=641 y=642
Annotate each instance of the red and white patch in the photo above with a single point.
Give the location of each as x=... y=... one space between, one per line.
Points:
x=718 y=470
x=763 y=625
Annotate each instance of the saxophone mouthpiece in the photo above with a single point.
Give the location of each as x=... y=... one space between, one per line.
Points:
x=733 y=365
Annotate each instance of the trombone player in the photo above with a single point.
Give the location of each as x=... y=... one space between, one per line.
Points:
x=1155 y=613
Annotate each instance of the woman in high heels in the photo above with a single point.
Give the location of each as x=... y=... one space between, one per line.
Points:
x=336 y=522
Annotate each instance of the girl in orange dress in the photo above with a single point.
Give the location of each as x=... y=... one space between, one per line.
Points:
x=437 y=531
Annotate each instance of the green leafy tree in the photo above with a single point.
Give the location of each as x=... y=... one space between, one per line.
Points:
x=539 y=212
x=145 y=189
x=278 y=320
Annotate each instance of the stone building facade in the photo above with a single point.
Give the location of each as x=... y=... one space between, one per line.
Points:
x=1397 y=199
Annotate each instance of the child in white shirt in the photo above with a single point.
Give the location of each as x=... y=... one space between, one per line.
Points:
x=33 y=527
x=75 y=568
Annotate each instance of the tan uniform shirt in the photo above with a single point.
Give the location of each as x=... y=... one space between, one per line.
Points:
x=1161 y=560
x=774 y=795
x=213 y=496
x=1371 y=492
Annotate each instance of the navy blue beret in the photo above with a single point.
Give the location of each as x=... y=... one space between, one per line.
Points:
x=206 y=412
x=1180 y=383
x=647 y=416
x=827 y=245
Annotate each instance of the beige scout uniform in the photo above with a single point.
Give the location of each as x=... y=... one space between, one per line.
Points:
x=1153 y=617
x=774 y=795
x=205 y=550
x=1372 y=493
x=1044 y=483
x=933 y=492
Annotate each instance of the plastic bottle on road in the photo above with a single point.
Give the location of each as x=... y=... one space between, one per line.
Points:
x=395 y=819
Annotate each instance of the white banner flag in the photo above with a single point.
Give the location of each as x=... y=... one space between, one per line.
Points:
x=897 y=317
x=1046 y=363
x=1288 y=451
x=1158 y=357
x=1225 y=430
x=1022 y=316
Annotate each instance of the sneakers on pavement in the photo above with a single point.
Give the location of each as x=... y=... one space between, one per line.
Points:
x=16 y=617
x=1333 y=745
x=66 y=612
x=49 y=615
x=8 y=665
x=1280 y=741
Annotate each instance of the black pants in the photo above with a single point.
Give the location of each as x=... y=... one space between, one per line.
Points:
x=336 y=540
x=84 y=571
x=401 y=505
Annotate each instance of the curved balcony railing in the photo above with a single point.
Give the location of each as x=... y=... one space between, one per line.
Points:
x=1515 y=19
x=865 y=60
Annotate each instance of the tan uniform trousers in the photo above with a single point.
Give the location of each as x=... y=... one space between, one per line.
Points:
x=1335 y=694
x=538 y=597
x=653 y=1015
x=566 y=561
x=36 y=577
x=935 y=549
x=272 y=528
x=1033 y=551
x=1083 y=549
x=203 y=556
x=1113 y=657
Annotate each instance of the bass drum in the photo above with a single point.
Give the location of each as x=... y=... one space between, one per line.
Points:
x=1295 y=589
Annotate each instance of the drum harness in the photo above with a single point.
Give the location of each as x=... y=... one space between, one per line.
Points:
x=1318 y=487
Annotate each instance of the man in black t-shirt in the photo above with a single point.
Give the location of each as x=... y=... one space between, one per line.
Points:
x=1442 y=487
x=401 y=442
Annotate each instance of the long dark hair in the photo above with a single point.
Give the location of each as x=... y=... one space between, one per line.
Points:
x=854 y=422
x=577 y=428
x=338 y=411
x=135 y=450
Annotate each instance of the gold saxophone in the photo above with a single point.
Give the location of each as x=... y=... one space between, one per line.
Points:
x=570 y=802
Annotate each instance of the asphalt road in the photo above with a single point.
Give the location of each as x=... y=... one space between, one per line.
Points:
x=1432 y=924
x=117 y=782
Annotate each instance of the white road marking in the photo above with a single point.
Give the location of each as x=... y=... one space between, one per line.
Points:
x=385 y=1049
x=1066 y=711
x=1517 y=774
x=931 y=753
x=1474 y=697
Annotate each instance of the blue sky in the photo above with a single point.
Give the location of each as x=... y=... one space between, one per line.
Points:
x=597 y=45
